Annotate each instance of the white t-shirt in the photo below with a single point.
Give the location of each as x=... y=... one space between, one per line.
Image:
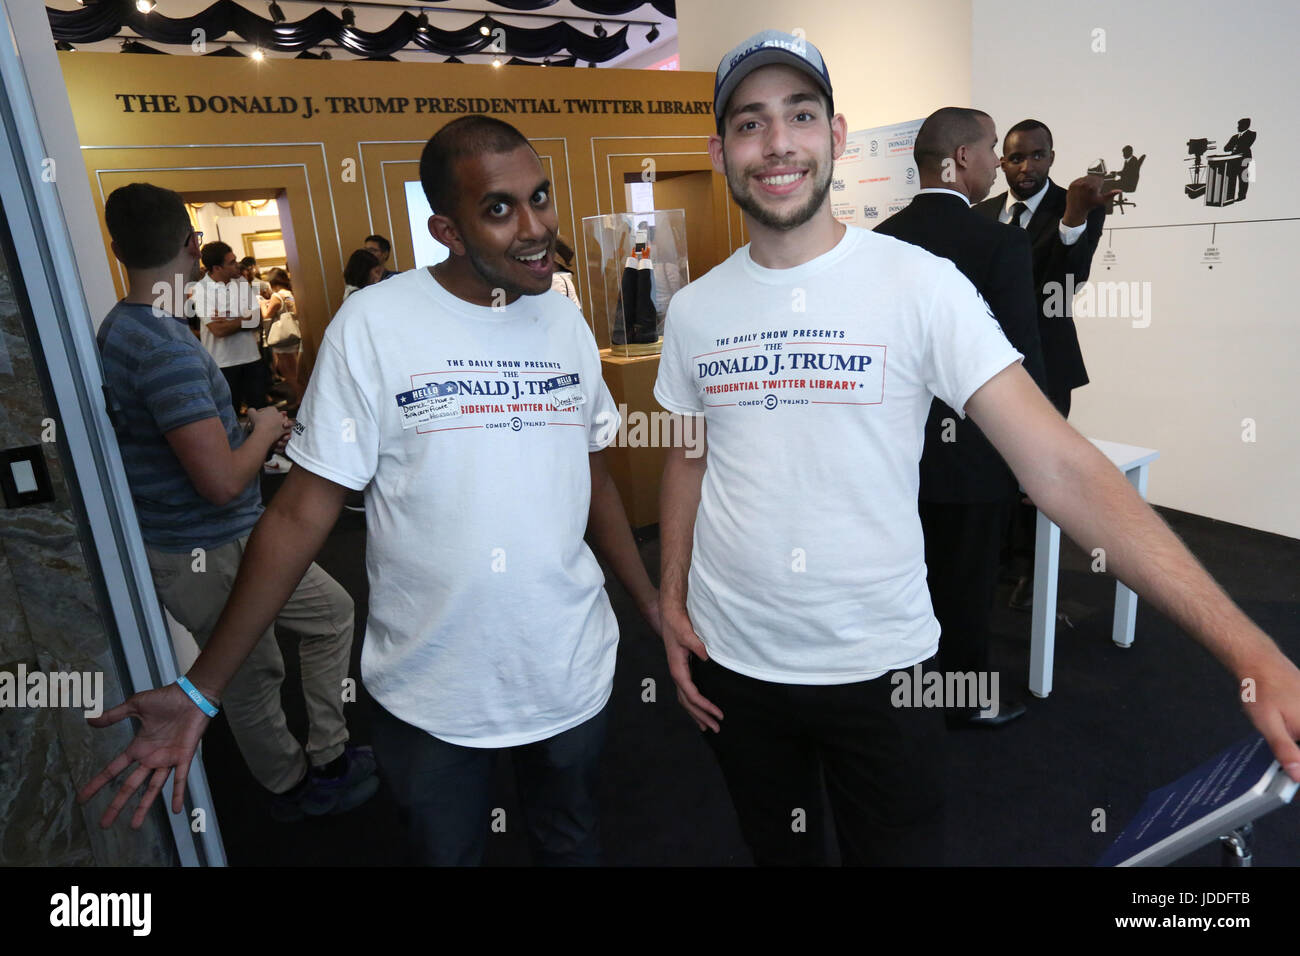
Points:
x=815 y=383
x=228 y=300
x=469 y=429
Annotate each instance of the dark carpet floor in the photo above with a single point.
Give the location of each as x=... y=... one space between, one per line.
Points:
x=1118 y=724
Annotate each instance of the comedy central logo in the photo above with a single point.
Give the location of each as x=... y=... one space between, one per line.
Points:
x=516 y=423
x=769 y=401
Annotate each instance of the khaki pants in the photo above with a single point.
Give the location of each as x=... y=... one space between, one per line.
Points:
x=319 y=611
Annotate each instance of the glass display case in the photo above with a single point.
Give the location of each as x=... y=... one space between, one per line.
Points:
x=635 y=263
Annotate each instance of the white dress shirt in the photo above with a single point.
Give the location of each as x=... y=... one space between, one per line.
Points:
x=1069 y=234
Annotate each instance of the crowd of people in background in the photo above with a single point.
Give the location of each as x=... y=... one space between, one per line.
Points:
x=247 y=321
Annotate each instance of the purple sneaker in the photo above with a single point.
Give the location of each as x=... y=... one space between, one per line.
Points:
x=330 y=795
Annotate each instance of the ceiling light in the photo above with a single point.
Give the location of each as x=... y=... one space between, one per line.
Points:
x=325 y=55
x=653 y=34
x=257 y=54
x=349 y=18
x=485 y=29
x=145 y=6
x=65 y=46
x=600 y=30
x=422 y=21
x=277 y=15
x=592 y=63
x=496 y=61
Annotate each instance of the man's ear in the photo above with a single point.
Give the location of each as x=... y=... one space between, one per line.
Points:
x=715 y=154
x=444 y=230
x=839 y=135
x=117 y=252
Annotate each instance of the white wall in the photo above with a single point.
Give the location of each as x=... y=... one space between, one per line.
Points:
x=231 y=230
x=889 y=61
x=1222 y=344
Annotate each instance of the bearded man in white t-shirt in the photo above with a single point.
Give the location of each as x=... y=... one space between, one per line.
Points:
x=793 y=576
x=466 y=400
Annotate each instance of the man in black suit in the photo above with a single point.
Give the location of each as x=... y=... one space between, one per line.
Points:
x=966 y=488
x=1064 y=226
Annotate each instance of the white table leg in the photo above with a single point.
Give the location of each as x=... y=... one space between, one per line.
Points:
x=1042 y=648
x=1121 y=631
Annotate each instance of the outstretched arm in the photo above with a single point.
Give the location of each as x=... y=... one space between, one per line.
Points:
x=1075 y=485
x=282 y=546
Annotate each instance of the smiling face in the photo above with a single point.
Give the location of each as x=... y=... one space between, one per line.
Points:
x=504 y=222
x=779 y=147
x=1027 y=158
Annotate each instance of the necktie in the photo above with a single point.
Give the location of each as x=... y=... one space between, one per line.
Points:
x=1016 y=210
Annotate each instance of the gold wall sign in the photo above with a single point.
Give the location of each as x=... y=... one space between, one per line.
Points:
x=338 y=144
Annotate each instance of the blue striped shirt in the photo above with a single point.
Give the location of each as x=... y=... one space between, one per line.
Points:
x=159 y=378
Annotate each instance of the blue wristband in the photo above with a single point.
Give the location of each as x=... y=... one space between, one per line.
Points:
x=192 y=692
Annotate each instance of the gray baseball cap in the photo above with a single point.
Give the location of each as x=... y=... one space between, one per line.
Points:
x=764 y=49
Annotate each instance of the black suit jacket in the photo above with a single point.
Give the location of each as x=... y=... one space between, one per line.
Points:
x=1053 y=261
x=996 y=259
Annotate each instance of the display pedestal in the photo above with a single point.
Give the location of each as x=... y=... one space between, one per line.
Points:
x=636 y=471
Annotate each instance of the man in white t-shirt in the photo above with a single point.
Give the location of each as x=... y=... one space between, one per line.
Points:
x=792 y=549
x=467 y=401
x=229 y=321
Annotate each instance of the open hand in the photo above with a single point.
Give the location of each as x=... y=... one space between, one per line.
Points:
x=170 y=728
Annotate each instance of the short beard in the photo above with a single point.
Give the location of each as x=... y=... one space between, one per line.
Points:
x=740 y=192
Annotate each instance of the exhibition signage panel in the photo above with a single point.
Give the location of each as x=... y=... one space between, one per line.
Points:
x=1233 y=788
x=876 y=175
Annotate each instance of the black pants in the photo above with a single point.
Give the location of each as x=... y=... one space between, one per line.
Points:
x=884 y=768
x=247 y=384
x=962 y=542
x=444 y=792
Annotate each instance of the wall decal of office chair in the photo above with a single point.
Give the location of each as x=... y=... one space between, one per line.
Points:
x=1126 y=179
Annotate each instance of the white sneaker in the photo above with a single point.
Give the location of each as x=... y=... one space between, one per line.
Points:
x=277 y=464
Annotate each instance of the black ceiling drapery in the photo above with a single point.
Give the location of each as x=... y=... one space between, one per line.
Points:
x=604 y=8
x=105 y=19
